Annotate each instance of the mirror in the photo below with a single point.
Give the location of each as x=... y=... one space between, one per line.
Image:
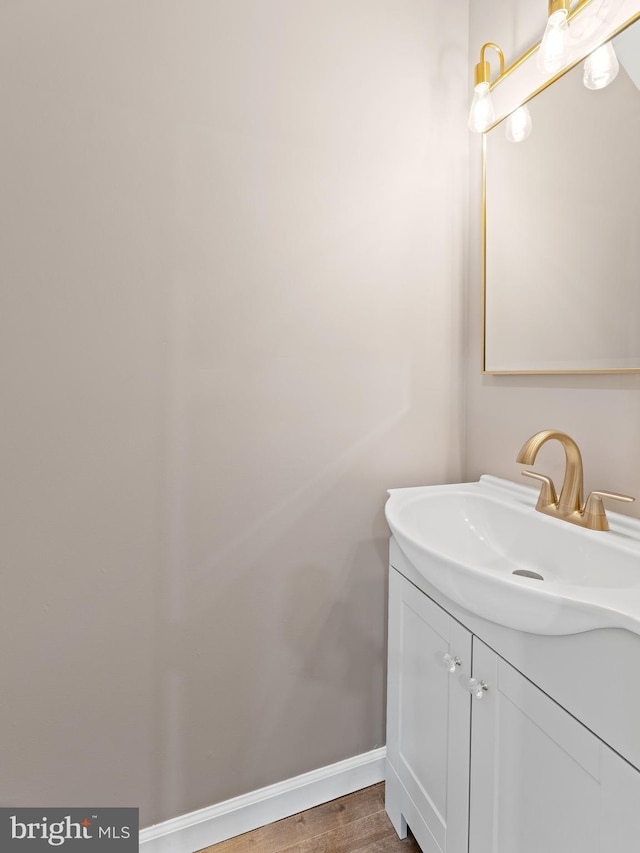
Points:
x=562 y=229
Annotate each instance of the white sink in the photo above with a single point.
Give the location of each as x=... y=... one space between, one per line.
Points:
x=467 y=540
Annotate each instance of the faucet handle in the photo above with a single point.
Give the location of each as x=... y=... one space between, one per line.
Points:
x=547 y=492
x=594 y=514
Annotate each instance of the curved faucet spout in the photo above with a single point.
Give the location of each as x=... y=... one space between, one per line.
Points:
x=571 y=494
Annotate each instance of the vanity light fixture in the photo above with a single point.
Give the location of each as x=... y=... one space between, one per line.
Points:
x=553 y=52
x=601 y=67
x=482 y=113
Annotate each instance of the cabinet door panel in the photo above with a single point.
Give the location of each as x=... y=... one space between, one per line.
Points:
x=540 y=781
x=429 y=714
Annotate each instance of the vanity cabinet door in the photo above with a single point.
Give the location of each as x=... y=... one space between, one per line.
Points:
x=540 y=781
x=428 y=720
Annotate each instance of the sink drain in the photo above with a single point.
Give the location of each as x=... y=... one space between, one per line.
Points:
x=525 y=573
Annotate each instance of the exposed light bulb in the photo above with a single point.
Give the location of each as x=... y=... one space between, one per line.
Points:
x=518 y=125
x=482 y=113
x=553 y=52
x=601 y=67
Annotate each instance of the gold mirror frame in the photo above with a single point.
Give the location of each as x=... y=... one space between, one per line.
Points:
x=545 y=85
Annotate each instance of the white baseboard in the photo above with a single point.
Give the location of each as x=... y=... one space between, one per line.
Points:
x=191 y=832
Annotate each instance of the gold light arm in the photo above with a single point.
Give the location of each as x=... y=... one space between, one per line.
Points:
x=482 y=71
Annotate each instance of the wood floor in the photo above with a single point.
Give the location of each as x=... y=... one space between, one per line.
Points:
x=356 y=823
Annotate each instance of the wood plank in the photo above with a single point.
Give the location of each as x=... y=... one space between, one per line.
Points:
x=357 y=836
x=393 y=844
x=276 y=837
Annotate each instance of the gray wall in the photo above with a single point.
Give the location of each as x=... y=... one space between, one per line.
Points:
x=233 y=248
x=602 y=412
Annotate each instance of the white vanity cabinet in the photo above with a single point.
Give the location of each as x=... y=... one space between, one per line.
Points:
x=504 y=769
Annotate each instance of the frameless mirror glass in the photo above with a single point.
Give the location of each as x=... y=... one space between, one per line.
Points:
x=562 y=229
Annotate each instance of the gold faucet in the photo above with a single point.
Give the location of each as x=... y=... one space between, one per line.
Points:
x=569 y=507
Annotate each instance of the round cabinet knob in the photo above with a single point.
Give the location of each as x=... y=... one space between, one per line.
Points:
x=477 y=688
x=451 y=662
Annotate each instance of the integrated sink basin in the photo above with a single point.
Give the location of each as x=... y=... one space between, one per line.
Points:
x=484 y=546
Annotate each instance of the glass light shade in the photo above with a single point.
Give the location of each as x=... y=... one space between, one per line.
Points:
x=518 y=125
x=553 y=52
x=601 y=67
x=482 y=113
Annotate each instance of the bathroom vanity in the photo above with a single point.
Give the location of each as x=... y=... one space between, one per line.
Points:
x=501 y=739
